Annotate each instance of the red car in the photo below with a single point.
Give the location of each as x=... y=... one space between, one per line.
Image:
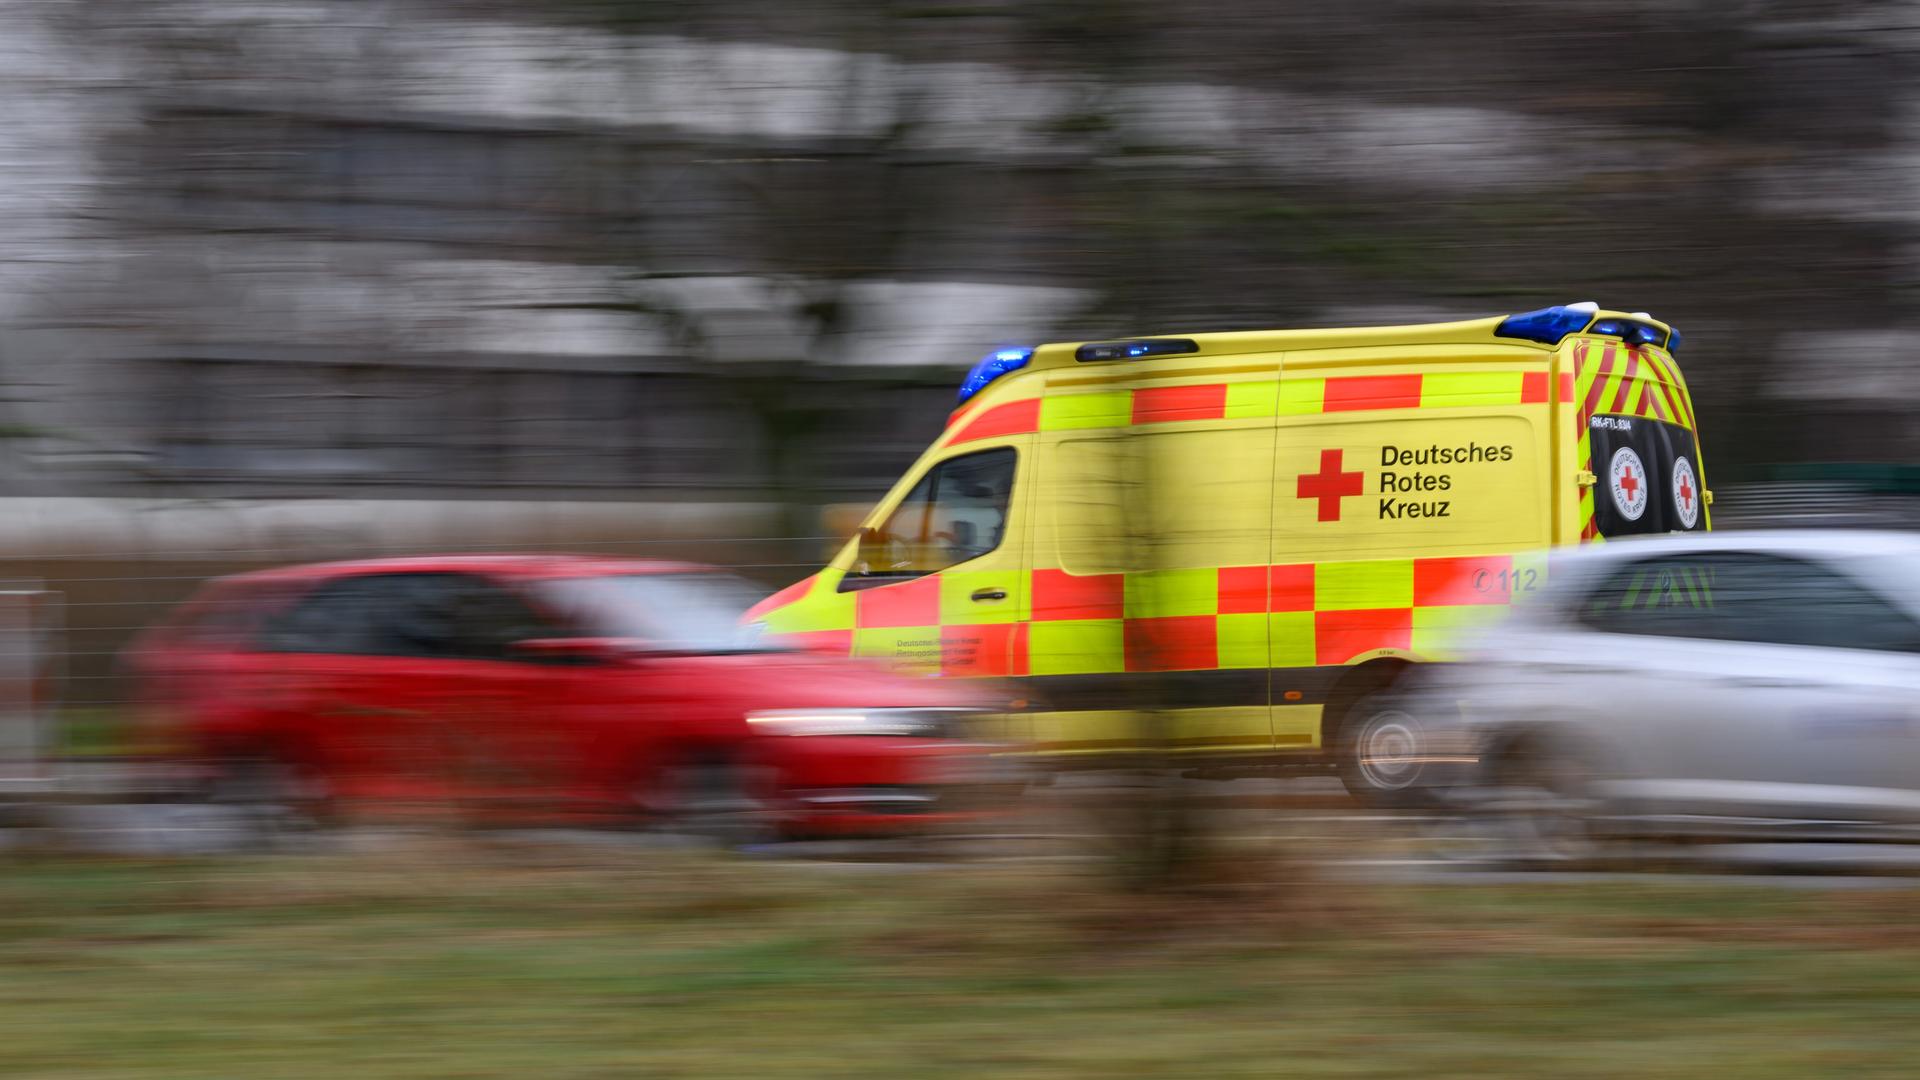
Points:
x=548 y=684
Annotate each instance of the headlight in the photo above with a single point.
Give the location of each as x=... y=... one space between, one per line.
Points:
x=923 y=723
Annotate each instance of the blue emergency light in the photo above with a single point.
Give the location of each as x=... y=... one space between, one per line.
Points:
x=1633 y=333
x=1550 y=325
x=996 y=364
x=1136 y=350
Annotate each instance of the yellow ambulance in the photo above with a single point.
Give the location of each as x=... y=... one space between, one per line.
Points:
x=1255 y=533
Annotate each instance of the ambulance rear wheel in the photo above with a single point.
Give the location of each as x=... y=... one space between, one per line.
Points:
x=1381 y=746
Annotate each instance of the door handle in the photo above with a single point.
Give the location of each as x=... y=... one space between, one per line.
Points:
x=1764 y=683
x=989 y=594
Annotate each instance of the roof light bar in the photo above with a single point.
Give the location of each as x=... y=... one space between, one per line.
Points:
x=1551 y=325
x=1548 y=325
x=1136 y=350
x=995 y=364
x=1630 y=331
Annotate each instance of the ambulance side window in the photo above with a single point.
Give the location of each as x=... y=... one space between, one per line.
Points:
x=957 y=512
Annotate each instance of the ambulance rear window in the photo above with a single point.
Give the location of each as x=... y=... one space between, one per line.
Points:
x=1647 y=476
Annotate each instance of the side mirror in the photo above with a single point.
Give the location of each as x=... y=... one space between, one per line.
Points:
x=576 y=651
x=865 y=538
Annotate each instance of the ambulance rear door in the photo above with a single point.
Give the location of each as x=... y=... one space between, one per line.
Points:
x=1636 y=436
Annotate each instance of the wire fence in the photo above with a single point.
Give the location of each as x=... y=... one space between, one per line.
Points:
x=104 y=600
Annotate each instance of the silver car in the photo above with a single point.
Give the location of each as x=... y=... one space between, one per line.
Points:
x=1732 y=685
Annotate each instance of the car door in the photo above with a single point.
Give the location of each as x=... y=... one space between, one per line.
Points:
x=1639 y=674
x=1751 y=685
x=939 y=586
x=1824 y=720
x=513 y=719
x=344 y=683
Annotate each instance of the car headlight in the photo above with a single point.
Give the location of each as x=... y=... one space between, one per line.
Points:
x=922 y=723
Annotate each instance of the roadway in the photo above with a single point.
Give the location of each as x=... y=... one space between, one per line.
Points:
x=1307 y=817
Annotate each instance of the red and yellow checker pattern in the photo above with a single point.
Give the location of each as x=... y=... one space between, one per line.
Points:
x=1302 y=396
x=1283 y=616
x=927 y=625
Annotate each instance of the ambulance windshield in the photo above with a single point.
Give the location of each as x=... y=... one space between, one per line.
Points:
x=1647 y=476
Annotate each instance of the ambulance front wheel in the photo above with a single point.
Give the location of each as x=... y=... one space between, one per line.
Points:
x=1382 y=751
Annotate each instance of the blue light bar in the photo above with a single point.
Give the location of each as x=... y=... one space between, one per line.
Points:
x=1135 y=350
x=1548 y=325
x=1630 y=331
x=996 y=364
x=1673 y=340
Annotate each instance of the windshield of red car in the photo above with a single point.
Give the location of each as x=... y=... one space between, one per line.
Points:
x=691 y=612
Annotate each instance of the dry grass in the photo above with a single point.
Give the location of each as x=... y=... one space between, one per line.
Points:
x=457 y=958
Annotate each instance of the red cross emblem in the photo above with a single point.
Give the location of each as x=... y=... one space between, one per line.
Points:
x=1629 y=483
x=1686 y=493
x=1329 y=484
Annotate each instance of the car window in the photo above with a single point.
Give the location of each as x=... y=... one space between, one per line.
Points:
x=227 y=615
x=1744 y=596
x=1665 y=597
x=699 y=612
x=438 y=615
x=957 y=512
x=336 y=617
x=224 y=622
x=486 y=620
x=1810 y=604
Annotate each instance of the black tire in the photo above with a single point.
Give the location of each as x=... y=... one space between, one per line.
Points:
x=710 y=800
x=1539 y=806
x=1380 y=744
x=267 y=802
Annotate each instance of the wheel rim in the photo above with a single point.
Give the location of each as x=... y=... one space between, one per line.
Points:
x=1547 y=813
x=1387 y=751
x=266 y=798
x=711 y=804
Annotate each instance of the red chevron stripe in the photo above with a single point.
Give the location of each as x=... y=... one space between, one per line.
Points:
x=1667 y=390
x=1598 y=386
x=1649 y=403
x=1626 y=383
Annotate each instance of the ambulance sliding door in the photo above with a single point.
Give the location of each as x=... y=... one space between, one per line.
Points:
x=1150 y=543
